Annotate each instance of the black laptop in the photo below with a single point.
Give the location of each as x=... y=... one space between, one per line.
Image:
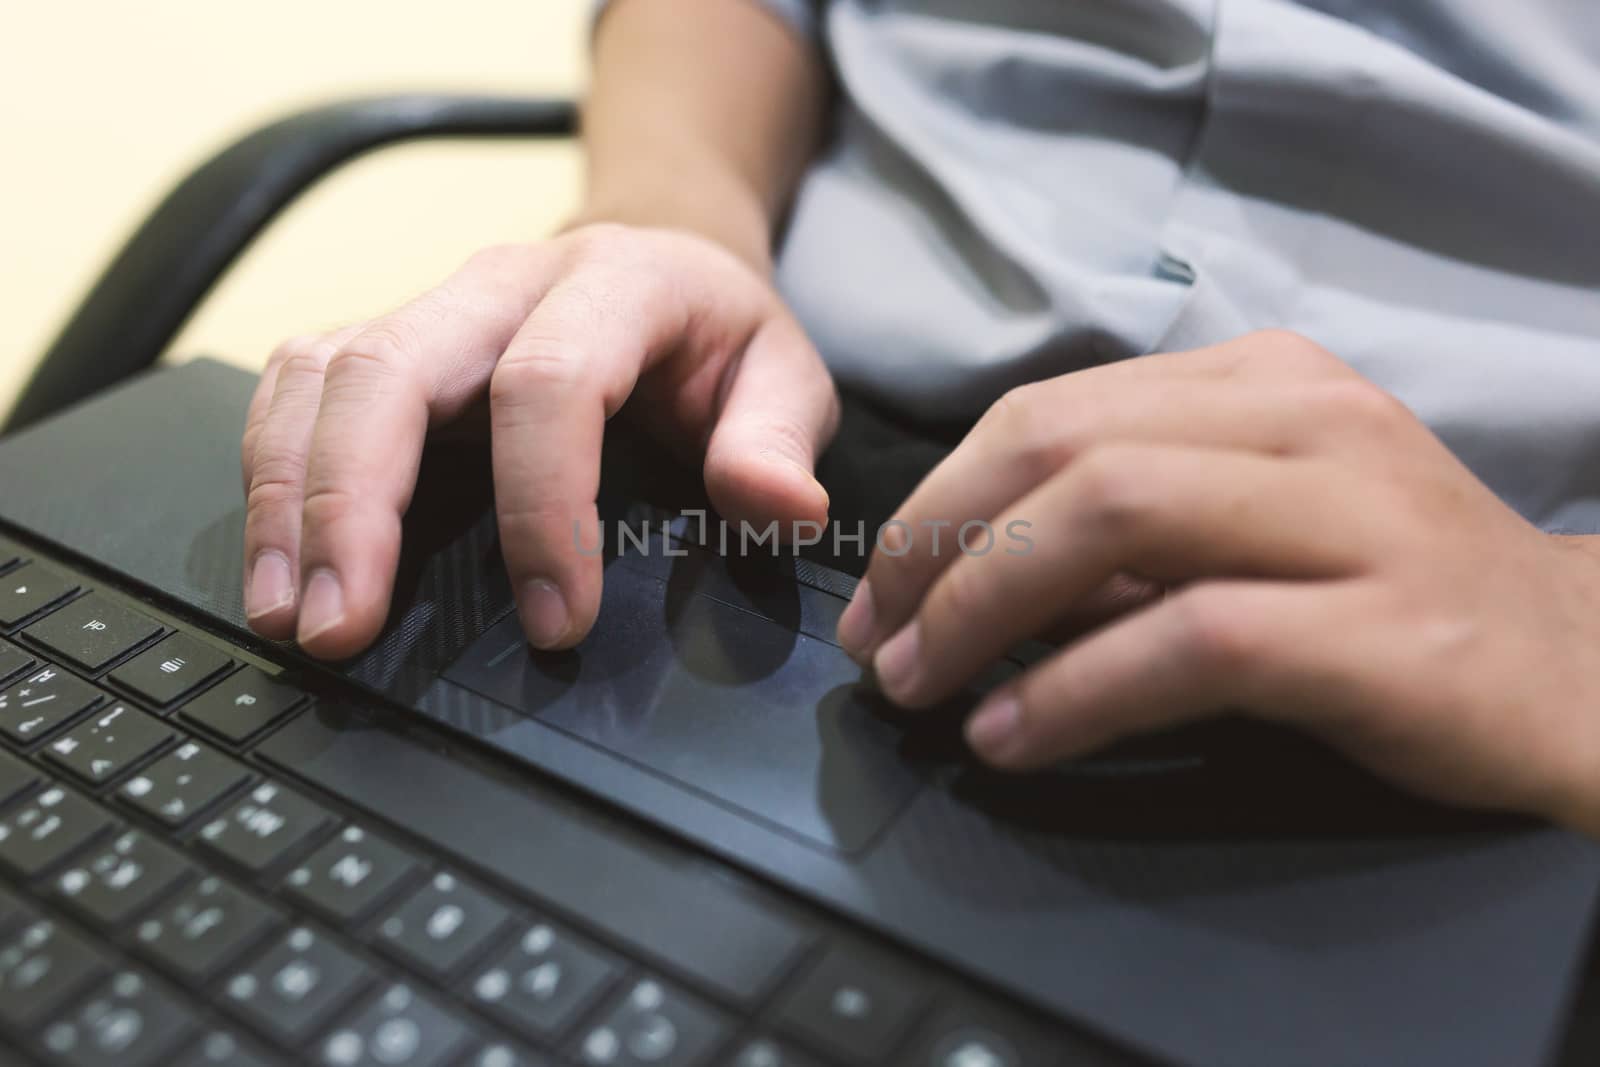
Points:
x=699 y=839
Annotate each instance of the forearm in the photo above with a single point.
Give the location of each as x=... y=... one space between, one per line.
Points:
x=702 y=116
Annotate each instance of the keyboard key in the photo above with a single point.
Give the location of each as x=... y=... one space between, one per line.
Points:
x=208 y=925
x=183 y=783
x=652 y=1026
x=543 y=982
x=92 y=631
x=9 y=553
x=15 y=777
x=500 y=1054
x=965 y=1031
x=12 y=910
x=348 y=876
x=127 y=1021
x=242 y=705
x=441 y=925
x=13 y=661
x=294 y=988
x=263 y=826
x=730 y=938
x=107 y=743
x=42 y=965
x=28 y=589
x=854 y=1003
x=46 y=829
x=225 y=1048
x=398 y=1029
x=172 y=668
x=765 y=1052
x=42 y=701
x=115 y=883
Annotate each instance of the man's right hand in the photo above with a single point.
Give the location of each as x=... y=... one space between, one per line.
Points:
x=555 y=336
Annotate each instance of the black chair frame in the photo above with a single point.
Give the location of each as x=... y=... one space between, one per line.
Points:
x=162 y=273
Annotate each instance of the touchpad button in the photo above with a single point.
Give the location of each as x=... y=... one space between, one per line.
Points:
x=725 y=702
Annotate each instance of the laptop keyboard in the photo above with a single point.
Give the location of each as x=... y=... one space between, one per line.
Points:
x=189 y=875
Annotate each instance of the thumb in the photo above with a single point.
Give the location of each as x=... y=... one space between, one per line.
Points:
x=779 y=412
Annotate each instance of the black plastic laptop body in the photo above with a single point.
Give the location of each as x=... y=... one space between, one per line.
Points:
x=699 y=838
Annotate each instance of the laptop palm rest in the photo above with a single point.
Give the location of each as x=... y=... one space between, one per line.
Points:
x=757 y=716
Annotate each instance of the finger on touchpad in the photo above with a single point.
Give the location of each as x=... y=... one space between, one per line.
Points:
x=722 y=701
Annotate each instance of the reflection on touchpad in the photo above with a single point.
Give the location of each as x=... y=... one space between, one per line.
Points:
x=752 y=713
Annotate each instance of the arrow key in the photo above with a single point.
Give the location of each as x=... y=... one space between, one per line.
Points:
x=107 y=742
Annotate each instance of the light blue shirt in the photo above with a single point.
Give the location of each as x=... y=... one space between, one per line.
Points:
x=1021 y=188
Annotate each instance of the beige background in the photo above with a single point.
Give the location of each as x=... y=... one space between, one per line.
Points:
x=104 y=104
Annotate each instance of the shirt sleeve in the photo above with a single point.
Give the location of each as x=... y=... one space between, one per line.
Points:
x=803 y=15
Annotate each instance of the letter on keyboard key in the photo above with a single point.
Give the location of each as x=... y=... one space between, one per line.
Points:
x=545 y=980
x=42 y=701
x=242 y=705
x=442 y=924
x=854 y=1003
x=651 y=1026
x=27 y=589
x=99 y=748
x=183 y=783
x=294 y=988
x=127 y=1021
x=208 y=925
x=222 y=1048
x=399 y=1028
x=263 y=825
x=46 y=829
x=42 y=965
x=172 y=668
x=679 y=913
x=92 y=631
x=500 y=1054
x=348 y=876
x=108 y=885
x=765 y=1052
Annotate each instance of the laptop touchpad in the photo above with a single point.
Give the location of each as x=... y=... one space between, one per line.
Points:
x=723 y=701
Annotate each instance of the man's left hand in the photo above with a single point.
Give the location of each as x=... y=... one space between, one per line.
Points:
x=1298 y=546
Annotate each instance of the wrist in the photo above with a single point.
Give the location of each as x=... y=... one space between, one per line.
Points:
x=715 y=206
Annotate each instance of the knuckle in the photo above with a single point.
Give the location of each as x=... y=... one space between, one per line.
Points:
x=1107 y=493
x=1357 y=402
x=1035 y=440
x=385 y=350
x=1212 y=633
x=268 y=495
x=1282 y=345
x=307 y=364
x=328 y=504
x=299 y=345
x=597 y=242
x=959 y=595
x=536 y=368
x=496 y=258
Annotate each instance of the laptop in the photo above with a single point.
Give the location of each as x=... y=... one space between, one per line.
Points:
x=699 y=839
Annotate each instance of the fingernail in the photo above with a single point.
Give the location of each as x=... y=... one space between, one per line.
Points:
x=896 y=663
x=323 y=608
x=855 y=625
x=544 y=613
x=992 y=730
x=271 y=585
